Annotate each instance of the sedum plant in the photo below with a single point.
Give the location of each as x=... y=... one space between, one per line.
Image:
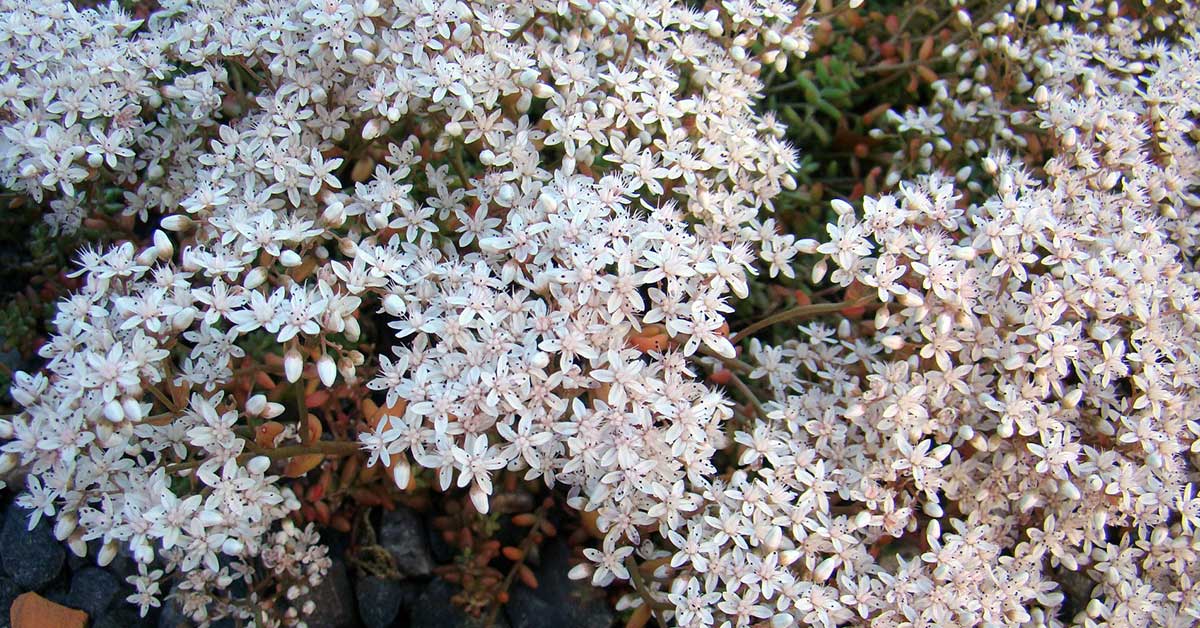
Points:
x=522 y=227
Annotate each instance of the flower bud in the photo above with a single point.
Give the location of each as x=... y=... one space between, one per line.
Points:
x=177 y=222
x=255 y=277
x=401 y=472
x=108 y=552
x=374 y=128
x=326 y=369
x=232 y=547
x=65 y=525
x=132 y=409
x=293 y=364
x=462 y=32
x=183 y=319
x=290 y=258
x=113 y=411
x=335 y=214
x=394 y=304
x=8 y=462
x=256 y=404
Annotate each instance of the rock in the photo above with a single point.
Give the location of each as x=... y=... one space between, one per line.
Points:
x=403 y=535
x=31 y=558
x=334 y=600
x=31 y=610
x=435 y=609
x=8 y=592
x=92 y=590
x=171 y=615
x=558 y=601
x=379 y=600
x=441 y=551
x=121 y=616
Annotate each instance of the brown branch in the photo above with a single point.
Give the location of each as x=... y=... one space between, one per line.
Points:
x=337 y=448
x=800 y=311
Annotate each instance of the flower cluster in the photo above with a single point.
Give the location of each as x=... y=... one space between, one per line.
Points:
x=1019 y=406
x=522 y=226
x=517 y=192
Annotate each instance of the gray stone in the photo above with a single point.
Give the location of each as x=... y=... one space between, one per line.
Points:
x=334 y=600
x=32 y=558
x=92 y=590
x=121 y=616
x=8 y=592
x=403 y=535
x=171 y=616
x=379 y=600
x=435 y=609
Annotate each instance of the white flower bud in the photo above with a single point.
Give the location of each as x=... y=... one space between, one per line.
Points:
x=273 y=410
x=542 y=90
x=401 y=472
x=394 y=304
x=582 y=571
x=825 y=568
x=256 y=404
x=132 y=409
x=290 y=258
x=113 y=411
x=454 y=128
x=352 y=330
x=232 y=547
x=363 y=56
x=147 y=256
x=479 y=499
x=335 y=214
x=255 y=277
x=528 y=78
x=65 y=525
x=293 y=364
x=374 y=128
x=326 y=370
x=163 y=245
x=108 y=552
x=8 y=462
x=506 y=194
x=462 y=32
x=176 y=222
x=77 y=545
x=818 y=271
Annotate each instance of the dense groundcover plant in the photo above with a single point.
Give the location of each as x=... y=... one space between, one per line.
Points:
x=551 y=207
